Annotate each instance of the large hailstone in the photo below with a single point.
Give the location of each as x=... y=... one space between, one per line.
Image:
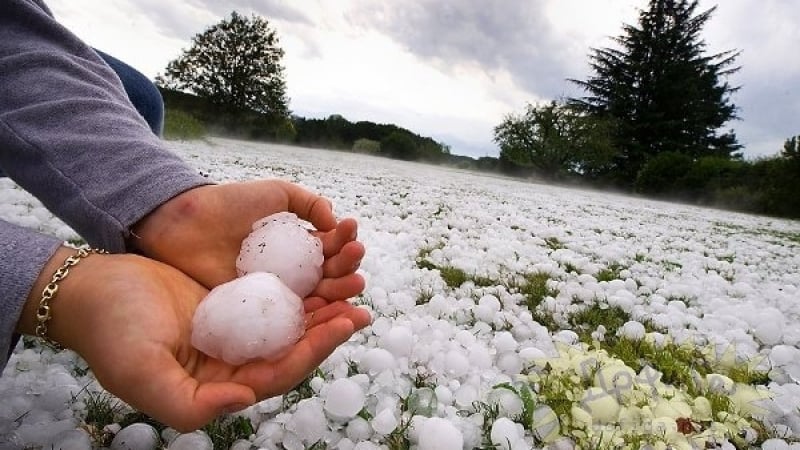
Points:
x=252 y=317
x=280 y=244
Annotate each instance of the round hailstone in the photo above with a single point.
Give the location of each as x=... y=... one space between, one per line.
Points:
x=197 y=440
x=71 y=439
x=252 y=317
x=439 y=434
x=137 y=436
x=345 y=398
x=280 y=244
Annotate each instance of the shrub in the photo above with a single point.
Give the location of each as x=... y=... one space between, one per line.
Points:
x=180 y=125
x=366 y=146
x=399 y=145
x=661 y=173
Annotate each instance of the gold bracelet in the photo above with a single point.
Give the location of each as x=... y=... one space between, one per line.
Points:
x=43 y=313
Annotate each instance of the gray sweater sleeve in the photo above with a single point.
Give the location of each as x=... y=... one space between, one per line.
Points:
x=69 y=135
x=24 y=252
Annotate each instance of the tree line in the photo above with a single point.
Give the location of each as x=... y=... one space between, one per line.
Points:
x=651 y=121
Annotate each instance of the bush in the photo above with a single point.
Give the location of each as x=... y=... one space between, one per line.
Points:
x=709 y=175
x=366 y=146
x=180 y=125
x=662 y=173
x=399 y=145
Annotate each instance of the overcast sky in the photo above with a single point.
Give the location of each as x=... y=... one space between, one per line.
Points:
x=453 y=69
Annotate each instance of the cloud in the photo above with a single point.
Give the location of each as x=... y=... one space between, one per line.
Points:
x=493 y=36
x=185 y=19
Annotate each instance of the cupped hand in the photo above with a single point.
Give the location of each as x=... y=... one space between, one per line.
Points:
x=200 y=232
x=130 y=318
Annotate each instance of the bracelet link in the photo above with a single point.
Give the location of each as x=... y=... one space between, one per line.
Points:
x=44 y=312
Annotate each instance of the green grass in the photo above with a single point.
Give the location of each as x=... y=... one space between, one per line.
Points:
x=453 y=276
x=586 y=321
x=303 y=390
x=102 y=409
x=534 y=288
x=180 y=125
x=610 y=273
x=226 y=430
x=553 y=243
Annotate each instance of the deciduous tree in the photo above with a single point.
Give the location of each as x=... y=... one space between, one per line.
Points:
x=235 y=63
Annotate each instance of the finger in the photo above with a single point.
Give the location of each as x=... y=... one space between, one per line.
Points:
x=311 y=207
x=311 y=304
x=270 y=379
x=345 y=262
x=327 y=312
x=334 y=289
x=333 y=241
x=174 y=397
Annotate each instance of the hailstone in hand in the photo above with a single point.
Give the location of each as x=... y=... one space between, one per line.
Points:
x=280 y=244
x=252 y=317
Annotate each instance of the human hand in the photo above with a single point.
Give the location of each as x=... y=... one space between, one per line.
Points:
x=200 y=232
x=130 y=318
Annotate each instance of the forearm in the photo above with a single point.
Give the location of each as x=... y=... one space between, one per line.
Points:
x=25 y=255
x=69 y=135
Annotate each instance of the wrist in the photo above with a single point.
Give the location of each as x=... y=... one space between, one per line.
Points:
x=160 y=222
x=52 y=302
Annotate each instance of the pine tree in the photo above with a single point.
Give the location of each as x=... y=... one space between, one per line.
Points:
x=662 y=91
x=236 y=64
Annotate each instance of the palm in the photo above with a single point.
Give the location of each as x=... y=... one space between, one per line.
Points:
x=200 y=232
x=139 y=348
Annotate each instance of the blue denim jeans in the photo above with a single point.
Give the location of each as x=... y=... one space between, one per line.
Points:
x=141 y=91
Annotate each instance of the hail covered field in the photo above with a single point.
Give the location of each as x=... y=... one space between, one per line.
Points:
x=507 y=315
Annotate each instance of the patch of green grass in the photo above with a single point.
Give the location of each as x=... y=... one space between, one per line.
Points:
x=424 y=296
x=453 y=276
x=102 y=408
x=352 y=368
x=424 y=378
x=553 y=243
x=490 y=414
x=425 y=264
x=398 y=438
x=610 y=273
x=363 y=300
x=180 y=125
x=482 y=281
x=679 y=364
x=727 y=258
x=570 y=268
x=587 y=320
x=302 y=390
x=555 y=390
x=534 y=288
x=745 y=373
x=226 y=430
x=425 y=252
